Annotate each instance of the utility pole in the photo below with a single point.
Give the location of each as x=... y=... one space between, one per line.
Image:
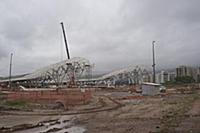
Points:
x=154 y=65
x=65 y=39
x=10 y=71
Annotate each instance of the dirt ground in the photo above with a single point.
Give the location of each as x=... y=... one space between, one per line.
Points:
x=174 y=113
x=168 y=113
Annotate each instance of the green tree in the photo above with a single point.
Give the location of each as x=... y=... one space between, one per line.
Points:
x=184 y=79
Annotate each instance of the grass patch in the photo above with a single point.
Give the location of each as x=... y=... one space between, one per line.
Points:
x=15 y=104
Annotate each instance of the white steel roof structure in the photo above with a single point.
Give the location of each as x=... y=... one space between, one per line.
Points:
x=62 y=72
x=58 y=71
x=133 y=74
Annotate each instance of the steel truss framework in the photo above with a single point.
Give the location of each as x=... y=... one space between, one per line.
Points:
x=131 y=75
x=63 y=72
x=78 y=70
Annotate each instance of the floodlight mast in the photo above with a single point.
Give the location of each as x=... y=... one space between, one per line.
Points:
x=65 y=40
x=10 y=71
x=154 y=65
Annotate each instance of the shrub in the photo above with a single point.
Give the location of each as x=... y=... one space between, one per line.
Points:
x=15 y=104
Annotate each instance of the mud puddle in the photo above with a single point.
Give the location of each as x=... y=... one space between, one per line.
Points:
x=65 y=124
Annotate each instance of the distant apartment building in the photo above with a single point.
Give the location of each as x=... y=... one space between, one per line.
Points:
x=164 y=77
x=158 y=78
x=193 y=72
x=182 y=71
x=172 y=76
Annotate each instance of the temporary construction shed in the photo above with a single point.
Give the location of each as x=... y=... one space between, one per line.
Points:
x=150 y=89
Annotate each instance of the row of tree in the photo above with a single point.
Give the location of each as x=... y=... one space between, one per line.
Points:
x=182 y=80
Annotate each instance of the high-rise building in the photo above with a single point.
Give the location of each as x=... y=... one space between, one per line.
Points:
x=193 y=72
x=182 y=71
x=171 y=76
x=164 y=77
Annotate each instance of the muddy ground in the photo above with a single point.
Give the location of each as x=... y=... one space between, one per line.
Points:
x=167 y=113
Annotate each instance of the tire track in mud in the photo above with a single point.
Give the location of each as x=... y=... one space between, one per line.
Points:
x=87 y=111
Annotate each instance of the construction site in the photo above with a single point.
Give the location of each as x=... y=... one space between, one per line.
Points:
x=66 y=98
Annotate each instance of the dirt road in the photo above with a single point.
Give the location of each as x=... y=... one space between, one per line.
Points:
x=170 y=113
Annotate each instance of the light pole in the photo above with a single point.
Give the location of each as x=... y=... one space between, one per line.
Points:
x=10 y=71
x=154 y=65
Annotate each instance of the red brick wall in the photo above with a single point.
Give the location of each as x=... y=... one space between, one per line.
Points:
x=67 y=97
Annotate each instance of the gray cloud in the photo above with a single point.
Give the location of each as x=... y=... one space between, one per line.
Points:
x=110 y=33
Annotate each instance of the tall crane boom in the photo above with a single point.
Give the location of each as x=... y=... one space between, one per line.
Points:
x=65 y=40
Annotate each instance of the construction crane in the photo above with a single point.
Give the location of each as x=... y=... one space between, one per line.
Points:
x=72 y=75
x=65 y=40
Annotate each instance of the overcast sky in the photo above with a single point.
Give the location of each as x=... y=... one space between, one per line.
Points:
x=112 y=34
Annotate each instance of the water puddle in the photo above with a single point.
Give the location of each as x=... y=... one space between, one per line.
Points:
x=62 y=125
